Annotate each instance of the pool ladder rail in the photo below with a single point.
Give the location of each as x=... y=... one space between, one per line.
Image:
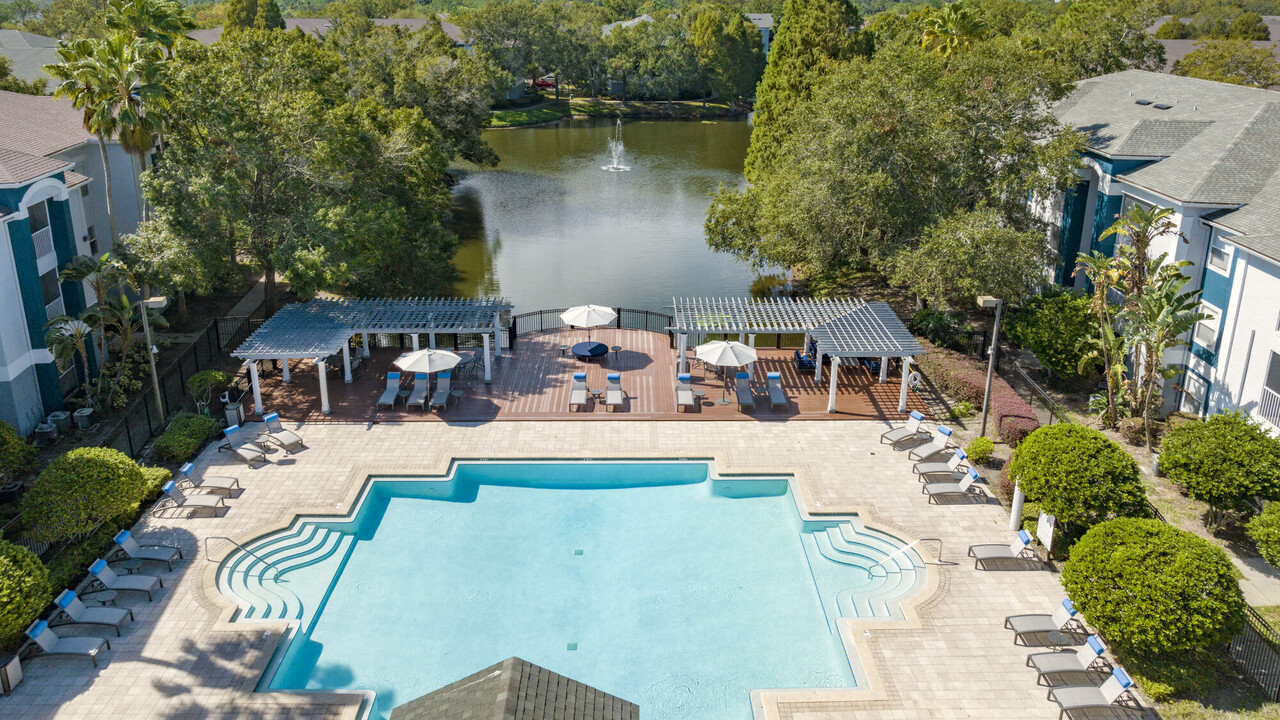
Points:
x=268 y=563
x=905 y=548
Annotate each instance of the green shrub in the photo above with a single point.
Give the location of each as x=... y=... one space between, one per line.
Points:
x=1224 y=461
x=72 y=564
x=17 y=456
x=203 y=385
x=184 y=437
x=979 y=450
x=1153 y=589
x=1193 y=673
x=1265 y=531
x=24 y=591
x=960 y=410
x=945 y=329
x=1078 y=475
x=1051 y=326
x=153 y=478
x=80 y=489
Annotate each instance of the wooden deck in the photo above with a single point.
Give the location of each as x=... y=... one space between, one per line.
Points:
x=533 y=382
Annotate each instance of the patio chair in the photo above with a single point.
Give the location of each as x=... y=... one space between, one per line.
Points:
x=216 y=483
x=288 y=440
x=175 y=497
x=952 y=468
x=248 y=452
x=129 y=548
x=1063 y=619
x=965 y=487
x=742 y=388
x=578 y=391
x=684 y=392
x=982 y=554
x=46 y=641
x=109 y=580
x=940 y=443
x=421 y=388
x=1089 y=697
x=613 y=394
x=392 y=393
x=441 y=397
x=910 y=431
x=777 y=398
x=1076 y=661
x=803 y=362
x=872 y=365
x=71 y=611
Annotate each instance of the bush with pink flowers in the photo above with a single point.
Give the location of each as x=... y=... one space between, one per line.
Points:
x=961 y=377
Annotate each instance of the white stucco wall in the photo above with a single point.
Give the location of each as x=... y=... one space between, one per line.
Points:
x=125 y=191
x=1249 y=335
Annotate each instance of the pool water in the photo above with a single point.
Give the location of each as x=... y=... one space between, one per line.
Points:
x=655 y=582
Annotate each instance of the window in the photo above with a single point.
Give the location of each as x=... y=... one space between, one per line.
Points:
x=1194 y=391
x=38 y=216
x=1273 y=374
x=1205 y=333
x=1219 y=256
x=84 y=190
x=49 y=286
x=1129 y=202
x=93 y=242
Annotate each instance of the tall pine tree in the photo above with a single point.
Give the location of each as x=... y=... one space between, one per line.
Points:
x=268 y=16
x=241 y=15
x=813 y=33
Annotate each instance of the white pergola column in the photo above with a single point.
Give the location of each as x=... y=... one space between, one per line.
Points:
x=751 y=367
x=835 y=374
x=324 y=386
x=884 y=369
x=253 y=382
x=488 y=370
x=364 y=348
x=415 y=340
x=804 y=349
x=817 y=369
x=497 y=337
x=284 y=364
x=682 y=352
x=902 y=394
x=346 y=362
x=431 y=340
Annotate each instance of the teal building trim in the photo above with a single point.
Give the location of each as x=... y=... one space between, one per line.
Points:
x=1073 y=219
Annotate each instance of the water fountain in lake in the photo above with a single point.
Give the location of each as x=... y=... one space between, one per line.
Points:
x=616 y=150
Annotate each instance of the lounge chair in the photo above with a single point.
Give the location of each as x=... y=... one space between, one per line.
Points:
x=1077 y=661
x=392 y=393
x=441 y=397
x=578 y=391
x=1062 y=619
x=613 y=395
x=684 y=392
x=746 y=396
x=982 y=554
x=910 y=431
x=129 y=548
x=73 y=612
x=777 y=398
x=217 y=483
x=943 y=489
x=421 y=388
x=286 y=439
x=175 y=497
x=49 y=643
x=1089 y=697
x=940 y=443
x=247 y=451
x=108 y=579
x=952 y=468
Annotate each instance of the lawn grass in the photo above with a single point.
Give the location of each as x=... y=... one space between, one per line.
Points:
x=529 y=116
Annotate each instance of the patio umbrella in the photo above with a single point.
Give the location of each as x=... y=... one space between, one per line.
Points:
x=426 y=361
x=588 y=316
x=725 y=353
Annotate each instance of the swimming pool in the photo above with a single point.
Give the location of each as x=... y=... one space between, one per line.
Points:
x=658 y=582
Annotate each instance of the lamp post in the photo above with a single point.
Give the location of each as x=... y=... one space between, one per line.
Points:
x=986 y=301
x=149 y=303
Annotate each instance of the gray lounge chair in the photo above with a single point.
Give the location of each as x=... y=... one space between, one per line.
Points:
x=1063 y=619
x=939 y=443
x=910 y=431
x=441 y=398
x=777 y=398
x=248 y=452
x=421 y=388
x=175 y=497
x=216 y=483
x=286 y=439
x=964 y=488
x=1089 y=697
x=578 y=392
x=953 y=468
x=1079 y=661
x=107 y=578
x=128 y=547
x=46 y=641
x=613 y=394
x=684 y=392
x=983 y=554
x=73 y=612
x=746 y=396
x=392 y=393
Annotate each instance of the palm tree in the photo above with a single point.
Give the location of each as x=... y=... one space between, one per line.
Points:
x=130 y=73
x=124 y=318
x=1105 y=347
x=68 y=338
x=1137 y=229
x=162 y=22
x=104 y=275
x=953 y=29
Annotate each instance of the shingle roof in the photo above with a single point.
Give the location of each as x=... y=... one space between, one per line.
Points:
x=18 y=167
x=39 y=124
x=75 y=179
x=1267 y=246
x=516 y=689
x=28 y=53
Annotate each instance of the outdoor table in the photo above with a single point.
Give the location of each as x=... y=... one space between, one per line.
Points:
x=102 y=597
x=616 y=349
x=457 y=396
x=132 y=565
x=588 y=351
x=700 y=394
x=403 y=396
x=564 y=349
x=597 y=393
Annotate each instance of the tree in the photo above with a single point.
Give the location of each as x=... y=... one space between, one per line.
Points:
x=1225 y=461
x=1249 y=26
x=80 y=489
x=1231 y=61
x=953 y=28
x=70 y=20
x=812 y=35
x=1152 y=589
x=1051 y=325
x=24 y=591
x=12 y=83
x=1104 y=347
x=163 y=22
x=1096 y=37
x=668 y=62
x=68 y=338
x=17 y=12
x=268 y=16
x=506 y=32
x=1172 y=29
x=106 y=276
x=241 y=15
x=728 y=49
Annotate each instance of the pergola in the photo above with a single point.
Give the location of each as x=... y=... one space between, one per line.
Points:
x=323 y=327
x=841 y=327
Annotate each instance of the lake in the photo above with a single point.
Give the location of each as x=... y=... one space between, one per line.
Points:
x=549 y=227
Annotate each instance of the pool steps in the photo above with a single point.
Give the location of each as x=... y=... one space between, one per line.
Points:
x=892 y=576
x=254 y=584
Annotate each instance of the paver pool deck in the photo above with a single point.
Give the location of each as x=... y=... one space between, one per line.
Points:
x=950 y=658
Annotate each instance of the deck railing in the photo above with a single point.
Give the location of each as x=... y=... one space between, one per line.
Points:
x=43 y=241
x=628 y=318
x=1269 y=406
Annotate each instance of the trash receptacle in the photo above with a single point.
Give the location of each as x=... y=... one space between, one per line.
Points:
x=235 y=413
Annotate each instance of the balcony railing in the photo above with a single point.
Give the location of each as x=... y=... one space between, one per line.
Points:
x=43 y=240
x=1269 y=406
x=54 y=309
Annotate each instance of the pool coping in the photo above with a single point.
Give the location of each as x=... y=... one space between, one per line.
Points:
x=764 y=702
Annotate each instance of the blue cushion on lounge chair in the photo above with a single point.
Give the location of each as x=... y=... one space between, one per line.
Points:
x=98 y=566
x=774 y=375
x=580 y=376
x=614 y=376
x=684 y=377
x=446 y=374
x=741 y=375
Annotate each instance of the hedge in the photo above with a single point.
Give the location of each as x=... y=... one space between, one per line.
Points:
x=184 y=437
x=17 y=456
x=1225 y=461
x=24 y=591
x=1078 y=475
x=1265 y=531
x=964 y=378
x=79 y=490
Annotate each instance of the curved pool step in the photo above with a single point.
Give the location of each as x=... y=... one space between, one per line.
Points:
x=823 y=540
x=259 y=584
x=882 y=544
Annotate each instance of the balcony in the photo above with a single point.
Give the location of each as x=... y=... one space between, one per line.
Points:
x=43 y=240
x=1269 y=406
x=54 y=309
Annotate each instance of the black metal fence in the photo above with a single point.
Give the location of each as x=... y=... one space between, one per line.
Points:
x=1256 y=649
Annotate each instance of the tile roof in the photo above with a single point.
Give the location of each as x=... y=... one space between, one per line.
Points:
x=28 y=53
x=75 y=179
x=39 y=124
x=19 y=167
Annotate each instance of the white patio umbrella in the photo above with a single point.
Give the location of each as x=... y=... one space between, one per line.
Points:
x=588 y=316
x=725 y=353
x=426 y=361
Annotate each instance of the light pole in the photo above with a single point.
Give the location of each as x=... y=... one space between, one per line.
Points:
x=986 y=301
x=148 y=303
